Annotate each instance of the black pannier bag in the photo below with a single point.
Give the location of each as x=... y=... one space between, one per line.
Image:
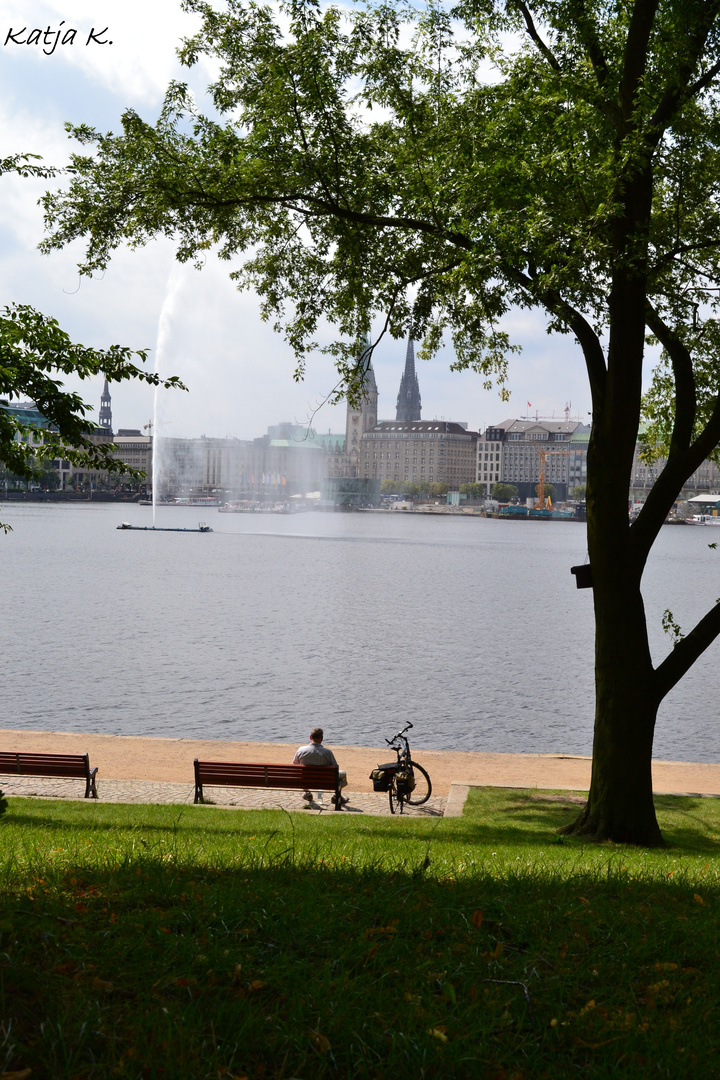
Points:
x=382 y=776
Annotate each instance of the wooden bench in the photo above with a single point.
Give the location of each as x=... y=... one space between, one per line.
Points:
x=64 y=765
x=252 y=774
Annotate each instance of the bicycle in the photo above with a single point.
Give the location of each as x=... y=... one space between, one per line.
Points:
x=404 y=780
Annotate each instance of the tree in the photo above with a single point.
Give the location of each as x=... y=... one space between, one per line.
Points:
x=504 y=492
x=473 y=491
x=578 y=493
x=33 y=352
x=47 y=475
x=548 y=490
x=365 y=166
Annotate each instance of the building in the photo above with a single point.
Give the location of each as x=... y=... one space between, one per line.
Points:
x=135 y=449
x=705 y=479
x=27 y=414
x=131 y=447
x=438 y=451
x=513 y=452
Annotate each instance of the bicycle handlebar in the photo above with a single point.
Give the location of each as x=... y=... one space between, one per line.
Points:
x=400 y=734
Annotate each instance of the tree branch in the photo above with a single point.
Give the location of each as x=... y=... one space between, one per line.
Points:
x=686 y=652
x=588 y=339
x=703 y=82
x=589 y=38
x=636 y=45
x=314 y=206
x=678 y=93
x=532 y=31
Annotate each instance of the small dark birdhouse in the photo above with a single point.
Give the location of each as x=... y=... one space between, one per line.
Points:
x=583 y=576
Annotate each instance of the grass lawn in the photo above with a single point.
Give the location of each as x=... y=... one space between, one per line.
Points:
x=193 y=942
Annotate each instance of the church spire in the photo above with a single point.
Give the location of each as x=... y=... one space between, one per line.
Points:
x=408 y=399
x=106 y=412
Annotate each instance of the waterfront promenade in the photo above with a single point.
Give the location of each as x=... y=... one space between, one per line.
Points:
x=149 y=770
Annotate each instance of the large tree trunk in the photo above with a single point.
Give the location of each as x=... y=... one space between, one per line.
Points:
x=620 y=804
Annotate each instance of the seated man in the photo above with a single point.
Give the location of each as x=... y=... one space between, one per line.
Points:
x=317 y=754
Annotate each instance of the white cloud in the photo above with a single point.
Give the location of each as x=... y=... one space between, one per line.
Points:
x=136 y=66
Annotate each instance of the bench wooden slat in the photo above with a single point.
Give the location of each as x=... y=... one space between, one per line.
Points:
x=259 y=774
x=66 y=766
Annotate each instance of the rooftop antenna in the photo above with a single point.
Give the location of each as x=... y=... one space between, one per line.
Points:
x=568 y=406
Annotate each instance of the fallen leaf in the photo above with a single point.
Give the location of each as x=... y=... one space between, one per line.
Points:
x=319 y=1041
x=438 y=1034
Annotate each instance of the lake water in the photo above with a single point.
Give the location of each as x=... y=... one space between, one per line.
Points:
x=471 y=628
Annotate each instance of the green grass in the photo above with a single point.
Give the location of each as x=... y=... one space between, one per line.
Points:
x=178 y=942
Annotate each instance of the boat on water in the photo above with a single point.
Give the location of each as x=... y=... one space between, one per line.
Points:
x=195 y=500
x=703 y=519
x=243 y=506
x=201 y=528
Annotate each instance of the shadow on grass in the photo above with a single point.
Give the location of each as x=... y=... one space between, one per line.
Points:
x=355 y=974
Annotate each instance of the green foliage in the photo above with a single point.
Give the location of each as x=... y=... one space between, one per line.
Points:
x=548 y=489
x=578 y=493
x=473 y=491
x=504 y=492
x=3 y=804
x=34 y=351
x=363 y=125
x=671 y=627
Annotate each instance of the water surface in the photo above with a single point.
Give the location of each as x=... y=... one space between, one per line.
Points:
x=471 y=628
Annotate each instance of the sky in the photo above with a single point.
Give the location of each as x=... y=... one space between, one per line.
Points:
x=238 y=370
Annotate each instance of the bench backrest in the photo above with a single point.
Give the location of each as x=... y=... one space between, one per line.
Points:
x=252 y=774
x=24 y=764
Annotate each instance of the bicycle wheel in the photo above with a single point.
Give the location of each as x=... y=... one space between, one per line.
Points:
x=423 y=788
x=396 y=800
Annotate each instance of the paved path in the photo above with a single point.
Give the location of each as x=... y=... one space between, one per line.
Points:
x=156 y=791
x=137 y=758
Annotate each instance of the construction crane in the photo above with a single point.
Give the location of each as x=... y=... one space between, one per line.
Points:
x=542 y=502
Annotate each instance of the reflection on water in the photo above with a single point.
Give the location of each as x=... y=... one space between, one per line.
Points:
x=471 y=628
